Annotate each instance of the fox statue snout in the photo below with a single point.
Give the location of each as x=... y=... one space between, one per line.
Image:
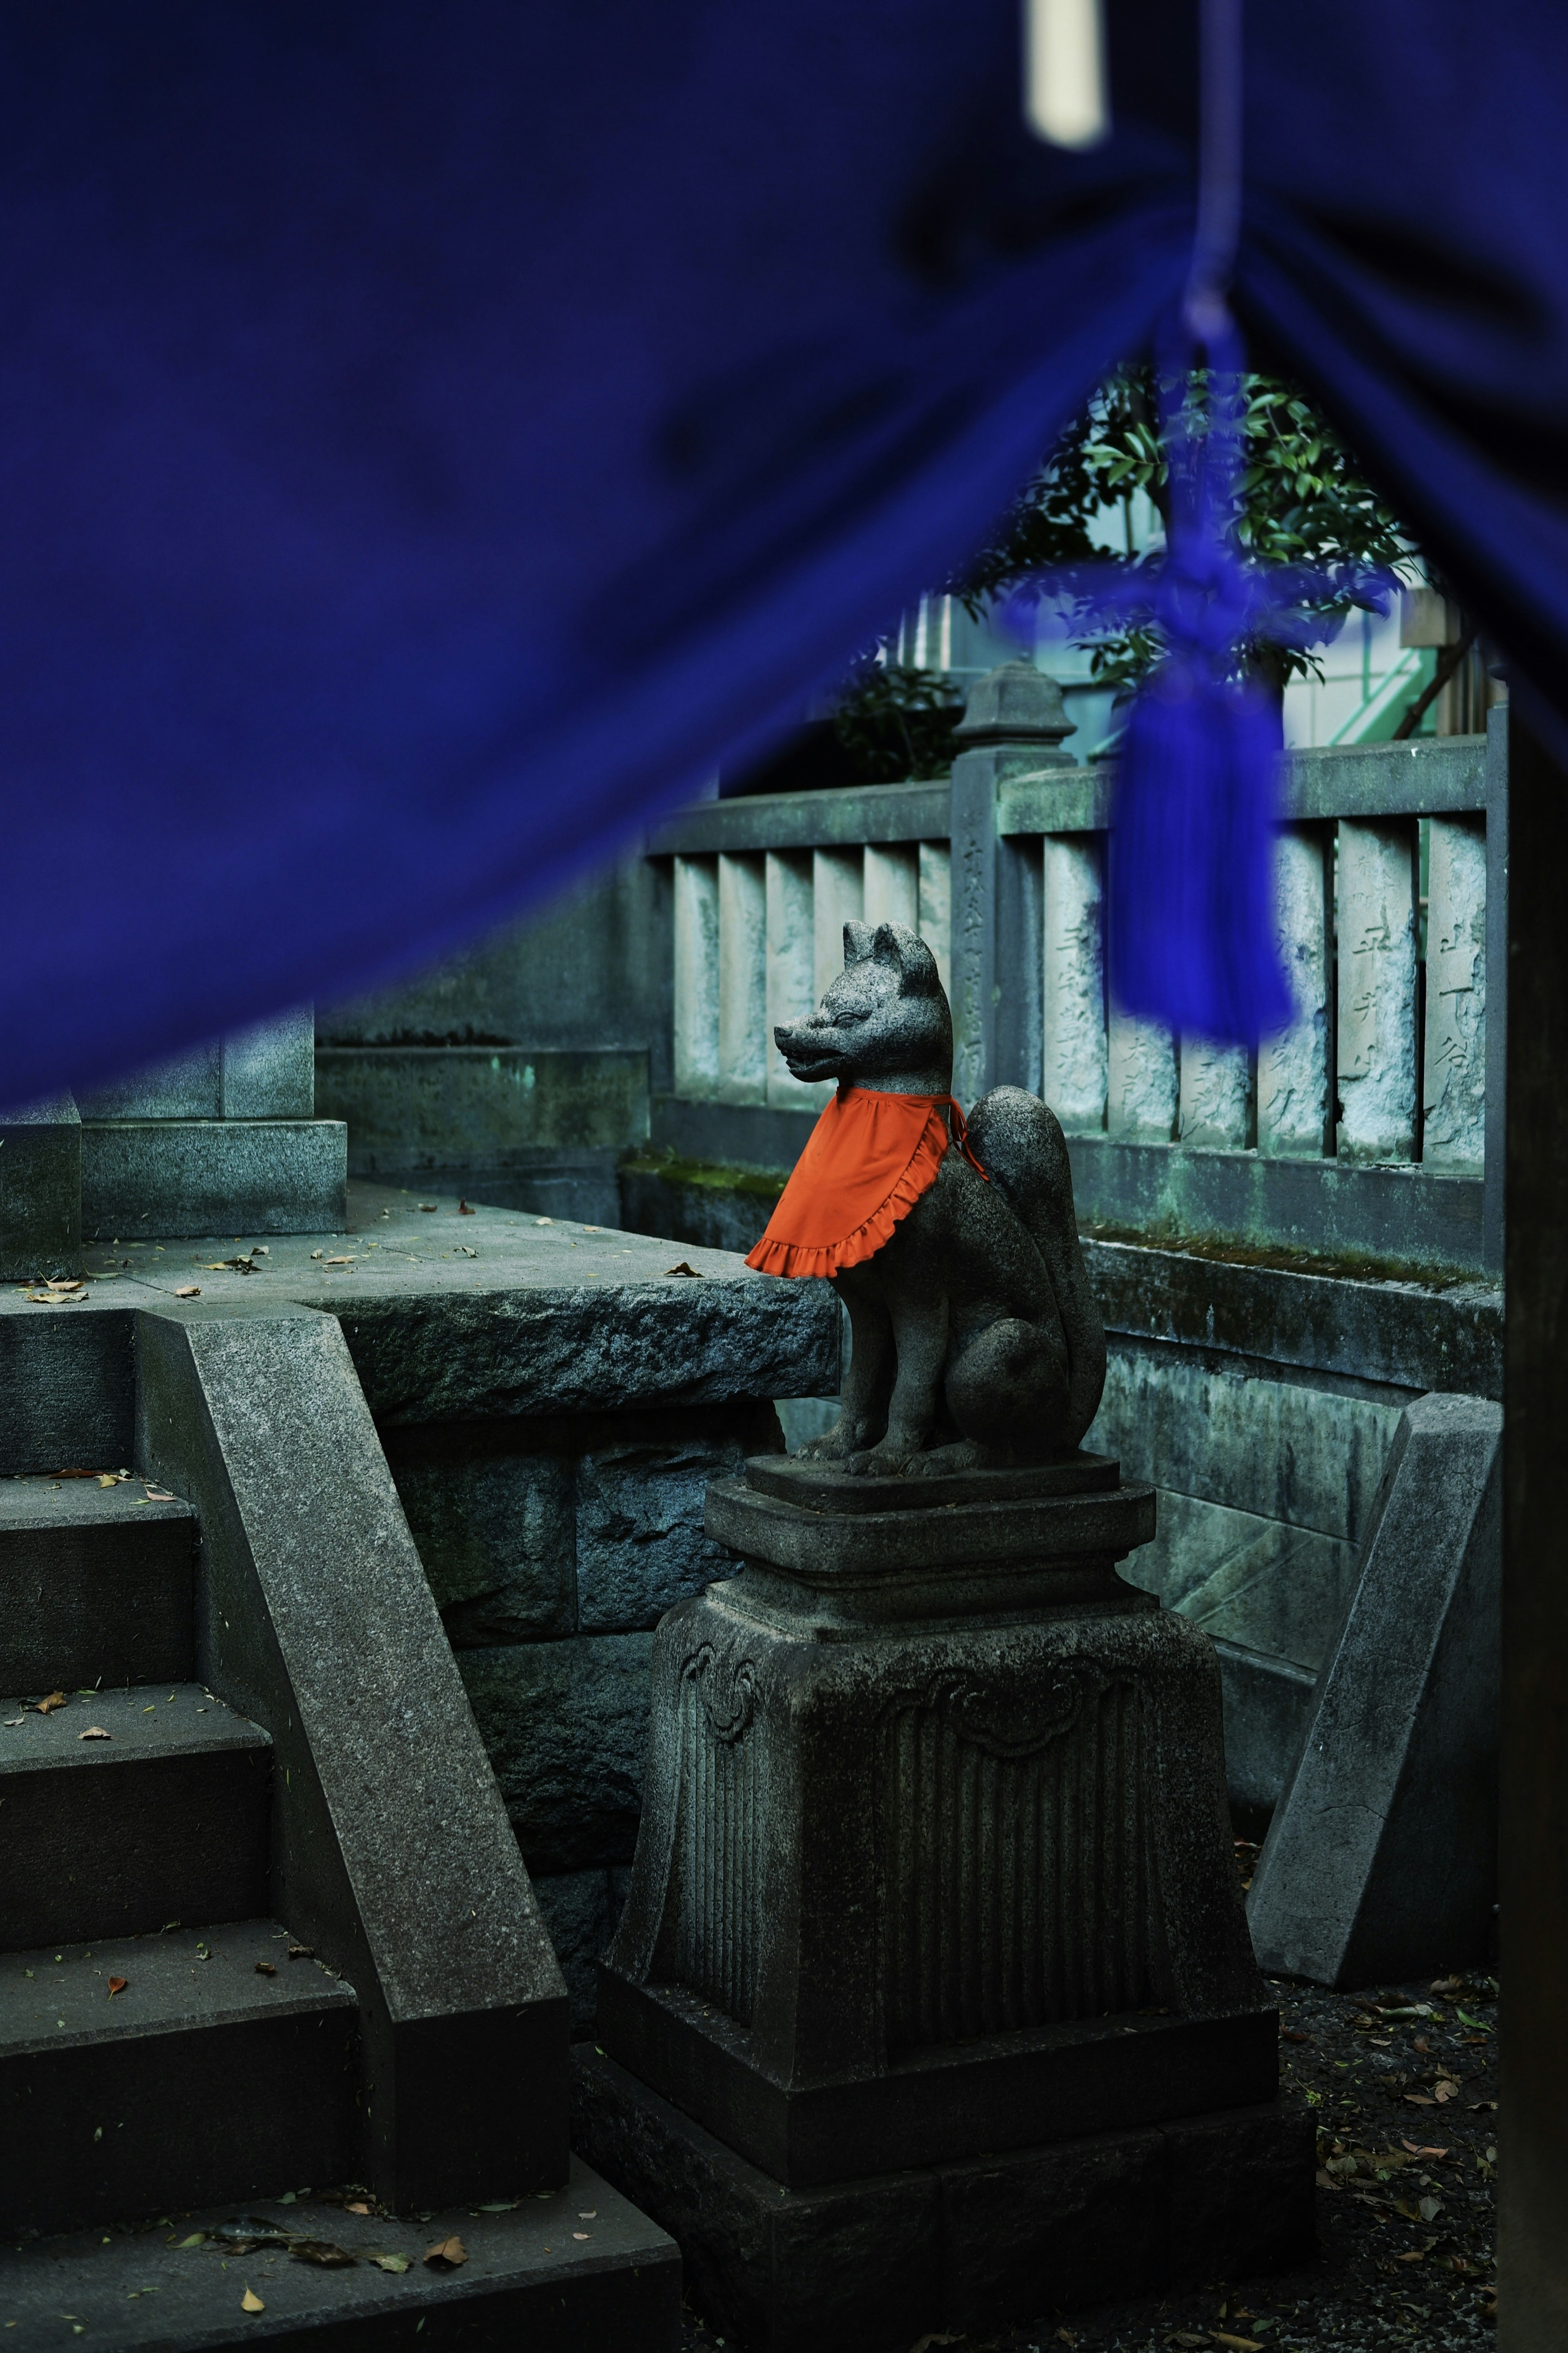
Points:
x=977 y=1341
x=884 y=1020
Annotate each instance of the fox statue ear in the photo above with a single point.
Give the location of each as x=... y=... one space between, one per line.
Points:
x=909 y=957
x=857 y=942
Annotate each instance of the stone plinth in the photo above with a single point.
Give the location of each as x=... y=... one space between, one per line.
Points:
x=934 y=1866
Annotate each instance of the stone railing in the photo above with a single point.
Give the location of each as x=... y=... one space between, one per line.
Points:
x=1363 y=1128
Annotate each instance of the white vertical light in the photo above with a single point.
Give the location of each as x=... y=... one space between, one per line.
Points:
x=1065 y=99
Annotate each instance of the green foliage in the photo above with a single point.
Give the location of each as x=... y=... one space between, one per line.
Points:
x=1303 y=502
x=895 y=721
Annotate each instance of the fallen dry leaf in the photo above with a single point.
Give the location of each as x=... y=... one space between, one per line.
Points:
x=680 y=1267
x=95 y=1732
x=1414 y=2151
x=1447 y=2090
x=447 y=2253
x=1291 y=2034
x=301 y=1952
x=1419 y=2100
x=354 y=2205
x=464 y=1211
x=386 y=2263
x=47 y=1706
x=117 y=1985
x=582 y=2235
x=1412 y=2255
x=427 y=1205
x=1326 y=2181
x=194 y=1291
x=251 y=2302
x=266 y=1968
x=197 y=2239
x=325 y=2252
x=1236 y=2344
x=549 y=1221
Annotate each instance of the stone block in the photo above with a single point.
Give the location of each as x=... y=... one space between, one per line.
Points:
x=565 y=1725
x=425 y=1106
x=175 y=1177
x=880 y=2263
x=1266 y=1703
x=186 y=1086
x=1052 y=2228
x=640 y=1542
x=494 y=1532
x=1241 y=2192
x=1255 y=1437
x=577 y=1908
x=269 y=1071
x=1260 y=1583
x=40 y=1190
x=1380 y=1863
x=68 y=1388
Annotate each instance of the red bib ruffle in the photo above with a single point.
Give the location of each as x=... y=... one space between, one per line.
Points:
x=865 y=1163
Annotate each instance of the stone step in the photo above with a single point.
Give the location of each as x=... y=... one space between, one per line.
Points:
x=202 y=2077
x=165 y=1820
x=95 y=1584
x=578 y=2270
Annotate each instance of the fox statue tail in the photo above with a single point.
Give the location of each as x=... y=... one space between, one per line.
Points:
x=1019 y=1144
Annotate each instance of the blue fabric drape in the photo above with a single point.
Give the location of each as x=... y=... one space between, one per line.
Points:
x=430 y=438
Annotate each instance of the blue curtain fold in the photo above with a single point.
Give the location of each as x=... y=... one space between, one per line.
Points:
x=430 y=439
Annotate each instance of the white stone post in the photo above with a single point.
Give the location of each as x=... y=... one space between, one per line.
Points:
x=934 y=921
x=1217 y=1096
x=838 y=893
x=892 y=893
x=1377 y=990
x=743 y=980
x=1143 y=1093
x=696 y=977
x=1074 y=1043
x=1293 y=1065
x=791 y=970
x=1455 y=1069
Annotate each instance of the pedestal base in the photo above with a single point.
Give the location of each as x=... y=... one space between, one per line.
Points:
x=872 y=2265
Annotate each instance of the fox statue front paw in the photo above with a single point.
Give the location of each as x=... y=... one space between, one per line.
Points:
x=837 y=1444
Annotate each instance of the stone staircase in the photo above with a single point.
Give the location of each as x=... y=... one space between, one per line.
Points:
x=168 y=2046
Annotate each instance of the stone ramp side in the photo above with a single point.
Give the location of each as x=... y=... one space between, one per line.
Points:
x=1381 y=1860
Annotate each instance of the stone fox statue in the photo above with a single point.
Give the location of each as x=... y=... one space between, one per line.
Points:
x=976 y=1339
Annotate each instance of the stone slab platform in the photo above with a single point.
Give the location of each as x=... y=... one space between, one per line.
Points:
x=576 y=2270
x=872 y=2265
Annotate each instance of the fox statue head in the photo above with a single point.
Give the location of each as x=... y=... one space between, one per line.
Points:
x=884 y=1023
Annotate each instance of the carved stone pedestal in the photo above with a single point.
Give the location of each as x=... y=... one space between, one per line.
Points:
x=934 y=1866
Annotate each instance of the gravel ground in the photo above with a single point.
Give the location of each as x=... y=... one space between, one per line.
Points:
x=1403 y=2079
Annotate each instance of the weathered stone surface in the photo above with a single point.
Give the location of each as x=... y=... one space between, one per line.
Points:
x=68 y=1388
x=1073 y=1074
x=1454 y=1065
x=1258 y=1582
x=1380 y=1862
x=1375 y=1064
x=1143 y=1085
x=186 y=1086
x=577 y=1909
x=1052 y=2230
x=518 y=1349
x=877 y=2264
x=1293 y=1066
x=495 y=1534
x=641 y=1545
x=269 y=1071
x=392 y=1850
x=200 y=1176
x=419 y=1106
x=565 y=1725
x=1268 y=1701
x=40 y=1190
x=1217 y=1106
x=812 y=1912
x=1235 y=1431
x=1410 y=1335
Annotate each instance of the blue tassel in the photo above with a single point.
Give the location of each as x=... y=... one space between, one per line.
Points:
x=1193 y=935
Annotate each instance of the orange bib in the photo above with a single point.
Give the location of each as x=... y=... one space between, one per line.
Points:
x=865 y=1163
